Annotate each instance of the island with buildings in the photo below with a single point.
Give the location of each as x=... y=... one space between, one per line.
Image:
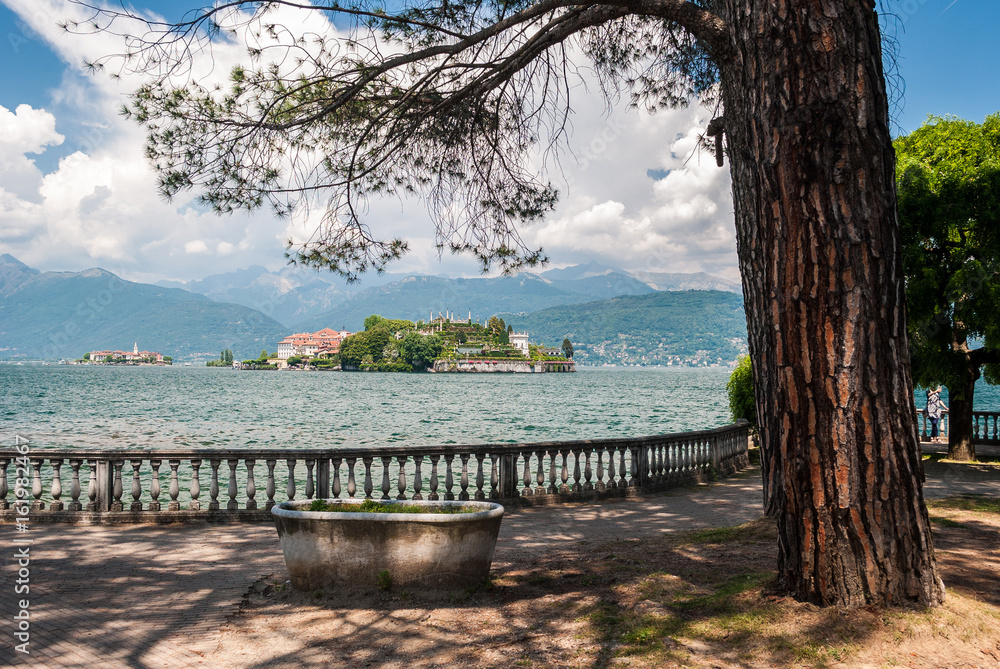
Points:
x=133 y=357
x=441 y=344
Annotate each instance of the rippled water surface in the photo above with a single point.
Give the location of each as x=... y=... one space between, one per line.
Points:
x=194 y=407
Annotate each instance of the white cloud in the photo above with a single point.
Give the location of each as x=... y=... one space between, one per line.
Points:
x=196 y=246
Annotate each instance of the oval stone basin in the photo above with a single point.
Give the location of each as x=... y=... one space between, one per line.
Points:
x=332 y=549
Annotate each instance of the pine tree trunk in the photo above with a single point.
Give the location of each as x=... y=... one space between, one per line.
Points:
x=960 y=446
x=806 y=121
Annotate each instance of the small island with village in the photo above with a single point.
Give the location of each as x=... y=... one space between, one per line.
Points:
x=441 y=344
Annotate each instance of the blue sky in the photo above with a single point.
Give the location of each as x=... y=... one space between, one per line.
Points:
x=74 y=191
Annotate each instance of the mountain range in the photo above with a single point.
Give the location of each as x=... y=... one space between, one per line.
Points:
x=611 y=315
x=66 y=314
x=305 y=300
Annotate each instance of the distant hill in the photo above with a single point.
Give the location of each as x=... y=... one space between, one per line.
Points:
x=416 y=297
x=66 y=314
x=304 y=299
x=682 y=327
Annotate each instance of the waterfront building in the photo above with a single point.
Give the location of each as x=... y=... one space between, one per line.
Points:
x=135 y=355
x=312 y=344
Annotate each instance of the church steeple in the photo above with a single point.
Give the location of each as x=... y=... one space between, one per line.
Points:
x=135 y=348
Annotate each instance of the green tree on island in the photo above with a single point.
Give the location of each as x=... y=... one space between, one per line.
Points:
x=567 y=348
x=455 y=101
x=420 y=351
x=948 y=180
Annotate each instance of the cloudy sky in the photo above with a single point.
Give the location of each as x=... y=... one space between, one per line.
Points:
x=75 y=191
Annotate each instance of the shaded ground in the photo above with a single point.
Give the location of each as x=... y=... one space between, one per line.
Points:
x=692 y=599
x=697 y=600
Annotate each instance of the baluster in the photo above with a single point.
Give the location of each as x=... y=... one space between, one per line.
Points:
x=464 y=481
x=587 y=473
x=352 y=486
x=577 y=474
x=195 y=504
x=526 y=476
x=600 y=487
x=56 y=505
x=386 y=461
x=92 y=486
x=36 y=485
x=136 y=486
x=434 y=478
x=251 y=485
x=564 y=472
x=290 y=488
x=622 y=480
x=494 y=477
x=540 y=473
x=480 y=492
x=369 y=486
x=418 y=480
x=401 y=483
x=74 y=486
x=116 y=504
x=634 y=468
x=213 y=487
x=310 y=489
x=553 y=473
x=270 y=487
x=449 y=481
x=336 y=477
x=175 y=486
x=154 y=485
x=4 y=504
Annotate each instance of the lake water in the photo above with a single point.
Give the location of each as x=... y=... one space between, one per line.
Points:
x=60 y=406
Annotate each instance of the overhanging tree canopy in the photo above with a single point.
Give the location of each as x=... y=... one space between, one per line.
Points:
x=455 y=96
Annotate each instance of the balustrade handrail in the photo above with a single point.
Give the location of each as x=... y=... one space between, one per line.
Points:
x=261 y=453
x=536 y=472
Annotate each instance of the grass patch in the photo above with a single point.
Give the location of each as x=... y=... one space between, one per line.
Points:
x=988 y=460
x=371 y=506
x=979 y=503
x=945 y=522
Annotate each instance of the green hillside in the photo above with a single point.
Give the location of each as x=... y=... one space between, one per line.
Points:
x=681 y=328
x=66 y=314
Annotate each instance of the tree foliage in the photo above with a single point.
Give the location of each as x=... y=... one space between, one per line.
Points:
x=948 y=180
x=567 y=348
x=447 y=100
x=420 y=351
x=739 y=388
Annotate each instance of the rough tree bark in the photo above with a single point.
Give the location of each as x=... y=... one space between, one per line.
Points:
x=806 y=121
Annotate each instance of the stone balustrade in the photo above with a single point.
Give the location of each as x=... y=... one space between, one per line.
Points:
x=985 y=426
x=171 y=485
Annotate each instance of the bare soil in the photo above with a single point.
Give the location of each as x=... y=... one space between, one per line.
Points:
x=696 y=599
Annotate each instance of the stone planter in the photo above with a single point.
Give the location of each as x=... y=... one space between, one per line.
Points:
x=329 y=549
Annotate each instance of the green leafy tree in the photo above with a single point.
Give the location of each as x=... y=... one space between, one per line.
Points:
x=86 y=356
x=453 y=103
x=353 y=349
x=948 y=180
x=567 y=348
x=739 y=388
x=372 y=321
x=294 y=361
x=420 y=351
